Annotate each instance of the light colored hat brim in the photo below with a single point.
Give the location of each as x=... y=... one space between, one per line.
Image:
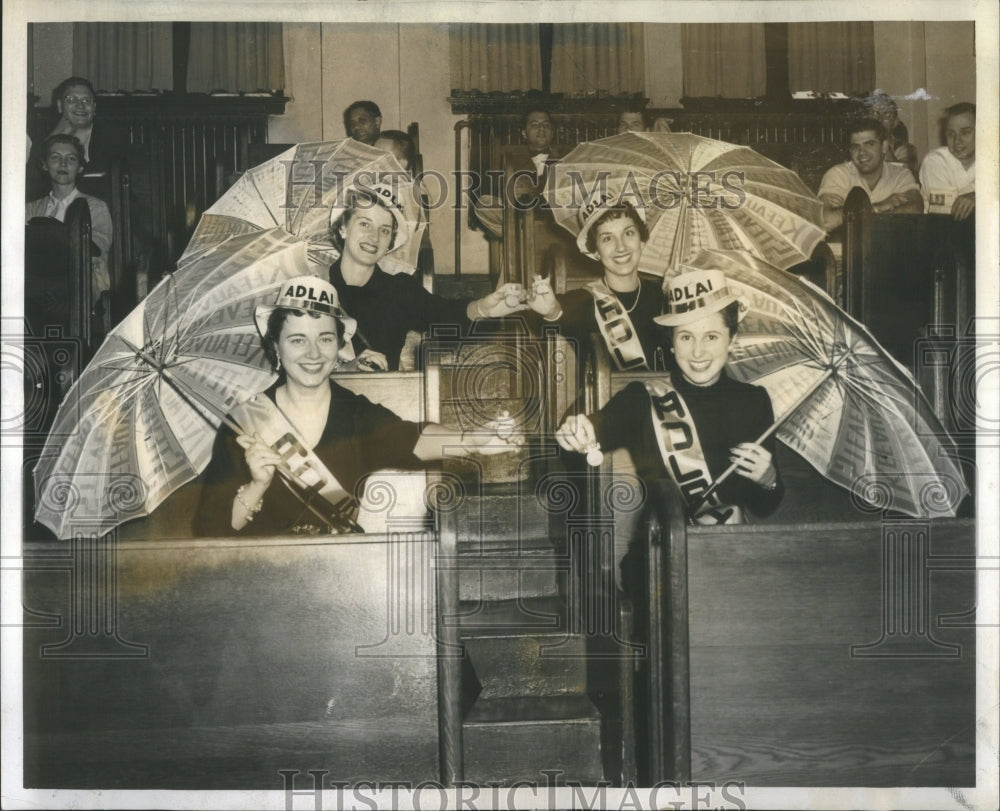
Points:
x=695 y=313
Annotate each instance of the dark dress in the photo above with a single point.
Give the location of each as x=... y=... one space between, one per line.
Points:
x=388 y=306
x=579 y=320
x=360 y=437
x=725 y=414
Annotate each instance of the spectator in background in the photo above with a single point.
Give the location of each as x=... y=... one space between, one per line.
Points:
x=948 y=173
x=896 y=147
x=891 y=187
x=399 y=144
x=363 y=122
x=632 y=119
x=75 y=101
x=63 y=162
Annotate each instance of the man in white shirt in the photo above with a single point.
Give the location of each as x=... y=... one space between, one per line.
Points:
x=948 y=173
x=63 y=162
x=891 y=187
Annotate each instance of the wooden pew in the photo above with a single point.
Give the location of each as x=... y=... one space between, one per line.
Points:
x=821 y=646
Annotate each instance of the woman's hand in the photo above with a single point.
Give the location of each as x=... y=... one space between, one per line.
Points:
x=577 y=434
x=496 y=437
x=542 y=300
x=372 y=361
x=507 y=299
x=754 y=462
x=261 y=458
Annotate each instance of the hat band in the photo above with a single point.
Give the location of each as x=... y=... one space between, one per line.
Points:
x=309 y=304
x=705 y=300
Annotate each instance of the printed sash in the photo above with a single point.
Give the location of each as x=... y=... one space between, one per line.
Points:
x=616 y=328
x=680 y=449
x=301 y=469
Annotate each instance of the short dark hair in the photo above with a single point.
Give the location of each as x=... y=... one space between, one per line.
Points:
x=962 y=108
x=530 y=111
x=623 y=209
x=730 y=317
x=866 y=125
x=878 y=98
x=62 y=138
x=369 y=107
x=276 y=323
x=353 y=198
x=404 y=140
x=66 y=84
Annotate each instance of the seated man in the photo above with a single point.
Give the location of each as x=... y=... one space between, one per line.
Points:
x=948 y=173
x=363 y=122
x=530 y=166
x=64 y=162
x=890 y=186
x=896 y=147
x=632 y=119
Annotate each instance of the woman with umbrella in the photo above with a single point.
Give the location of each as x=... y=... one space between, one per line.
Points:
x=320 y=438
x=621 y=305
x=387 y=306
x=692 y=424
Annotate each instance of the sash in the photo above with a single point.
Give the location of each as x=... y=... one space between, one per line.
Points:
x=616 y=328
x=680 y=450
x=301 y=469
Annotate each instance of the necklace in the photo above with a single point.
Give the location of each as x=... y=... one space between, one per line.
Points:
x=638 y=292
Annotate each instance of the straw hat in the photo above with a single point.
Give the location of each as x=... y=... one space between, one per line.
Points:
x=694 y=294
x=309 y=294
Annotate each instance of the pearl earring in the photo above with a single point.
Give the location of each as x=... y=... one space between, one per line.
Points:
x=277 y=364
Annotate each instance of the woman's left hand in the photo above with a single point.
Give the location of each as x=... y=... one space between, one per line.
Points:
x=754 y=462
x=507 y=299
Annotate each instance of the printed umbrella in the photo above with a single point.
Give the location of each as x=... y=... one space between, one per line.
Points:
x=840 y=400
x=695 y=193
x=297 y=190
x=141 y=419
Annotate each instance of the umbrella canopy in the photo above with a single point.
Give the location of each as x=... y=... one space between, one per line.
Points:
x=297 y=191
x=141 y=419
x=840 y=400
x=695 y=193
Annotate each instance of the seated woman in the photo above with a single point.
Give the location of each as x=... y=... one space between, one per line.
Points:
x=622 y=305
x=388 y=306
x=63 y=161
x=322 y=437
x=691 y=426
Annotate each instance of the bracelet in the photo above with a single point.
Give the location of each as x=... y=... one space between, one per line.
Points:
x=772 y=486
x=250 y=511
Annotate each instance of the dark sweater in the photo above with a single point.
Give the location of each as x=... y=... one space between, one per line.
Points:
x=725 y=414
x=388 y=306
x=360 y=437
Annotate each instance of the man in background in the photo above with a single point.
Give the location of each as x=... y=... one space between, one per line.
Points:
x=948 y=173
x=891 y=187
x=363 y=121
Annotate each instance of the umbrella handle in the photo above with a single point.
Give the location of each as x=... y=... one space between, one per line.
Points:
x=774 y=427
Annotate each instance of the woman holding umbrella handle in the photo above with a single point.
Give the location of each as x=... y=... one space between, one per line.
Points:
x=322 y=439
x=693 y=424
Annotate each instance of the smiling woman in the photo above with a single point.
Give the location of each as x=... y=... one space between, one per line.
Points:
x=320 y=439
x=369 y=225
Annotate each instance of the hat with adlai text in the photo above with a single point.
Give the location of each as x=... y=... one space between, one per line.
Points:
x=596 y=203
x=695 y=294
x=309 y=294
x=385 y=195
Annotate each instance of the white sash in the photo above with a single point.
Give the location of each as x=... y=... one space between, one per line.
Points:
x=301 y=468
x=680 y=449
x=616 y=328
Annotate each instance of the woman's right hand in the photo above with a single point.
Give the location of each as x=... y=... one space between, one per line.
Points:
x=543 y=300
x=576 y=434
x=261 y=458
